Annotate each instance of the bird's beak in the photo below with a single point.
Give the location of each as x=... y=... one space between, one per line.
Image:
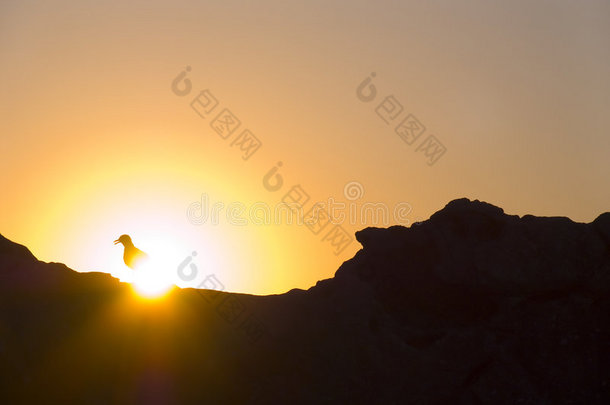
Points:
x=116 y=241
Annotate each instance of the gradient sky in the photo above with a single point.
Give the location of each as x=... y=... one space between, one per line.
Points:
x=95 y=144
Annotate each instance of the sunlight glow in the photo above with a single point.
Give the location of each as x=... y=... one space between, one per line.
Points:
x=155 y=277
x=151 y=285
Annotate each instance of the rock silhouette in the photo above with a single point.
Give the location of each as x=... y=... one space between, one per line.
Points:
x=471 y=306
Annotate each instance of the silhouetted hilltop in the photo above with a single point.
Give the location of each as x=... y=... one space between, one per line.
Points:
x=470 y=306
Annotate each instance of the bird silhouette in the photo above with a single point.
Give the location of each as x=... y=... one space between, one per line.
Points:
x=132 y=256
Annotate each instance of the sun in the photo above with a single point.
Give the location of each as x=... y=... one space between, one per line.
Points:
x=149 y=283
x=156 y=276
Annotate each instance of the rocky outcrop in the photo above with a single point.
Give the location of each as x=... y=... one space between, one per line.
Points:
x=470 y=306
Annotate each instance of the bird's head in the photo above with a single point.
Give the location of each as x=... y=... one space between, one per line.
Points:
x=124 y=239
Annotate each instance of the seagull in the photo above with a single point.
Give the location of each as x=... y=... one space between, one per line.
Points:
x=132 y=256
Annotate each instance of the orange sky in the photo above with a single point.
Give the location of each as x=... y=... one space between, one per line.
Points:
x=95 y=143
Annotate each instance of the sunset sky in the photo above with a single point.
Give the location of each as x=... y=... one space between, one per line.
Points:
x=96 y=143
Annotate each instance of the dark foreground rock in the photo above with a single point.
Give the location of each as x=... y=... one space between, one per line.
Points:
x=472 y=306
